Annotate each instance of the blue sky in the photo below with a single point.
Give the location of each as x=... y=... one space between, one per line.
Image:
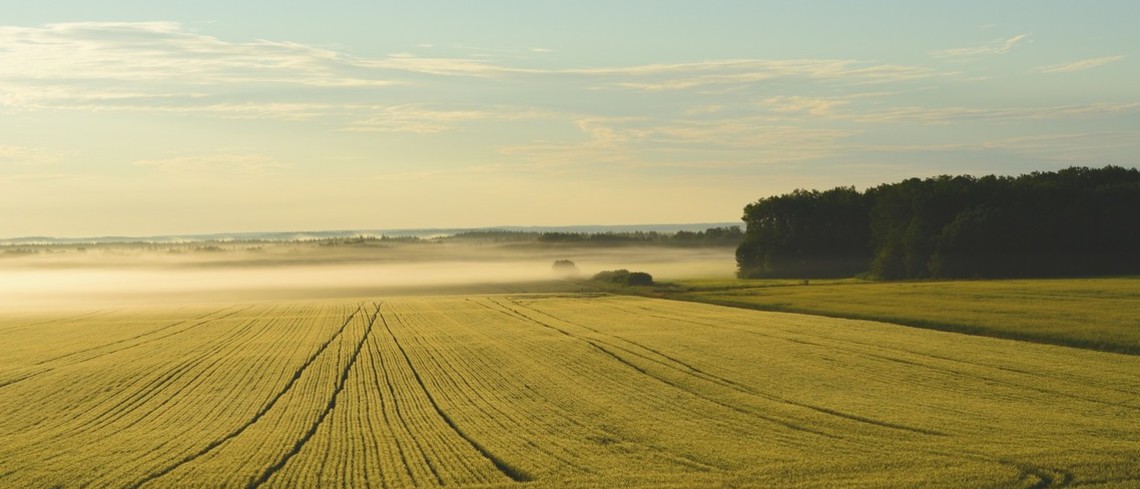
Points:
x=142 y=117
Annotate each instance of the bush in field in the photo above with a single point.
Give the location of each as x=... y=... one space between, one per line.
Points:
x=565 y=268
x=624 y=277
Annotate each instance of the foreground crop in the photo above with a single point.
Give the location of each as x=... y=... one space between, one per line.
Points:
x=548 y=391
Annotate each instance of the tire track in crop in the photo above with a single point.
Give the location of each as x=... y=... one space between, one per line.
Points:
x=211 y=361
x=719 y=380
x=374 y=358
x=666 y=453
x=1047 y=479
x=500 y=310
x=402 y=422
x=595 y=344
x=21 y=379
x=474 y=395
x=1104 y=481
x=308 y=435
x=223 y=365
x=148 y=333
x=212 y=358
x=512 y=472
x=1050 y=392
x=144 y=393
x=863 y=351
x=694 y=413
x=18 y=327
x=200 y=321
x=476 y=388
x=209 y=447
x=138 y=396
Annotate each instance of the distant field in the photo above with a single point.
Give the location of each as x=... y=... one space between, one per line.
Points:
x=548 y=391
x=1097 y=313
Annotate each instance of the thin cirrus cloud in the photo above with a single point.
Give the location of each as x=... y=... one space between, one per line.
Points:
x=421 y=120
x=995 y=47
x=156 y=64
x=622 y=144
x=24 y=156
x=1058 y=147
x=233 y=163
x=86 y=64
x=163 y=67
x=950 y=115
x=844 y=109
x=1081 y=65
x=149 y=51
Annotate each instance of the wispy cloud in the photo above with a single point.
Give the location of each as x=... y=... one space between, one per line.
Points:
x=241 y=163
x=125 y=65
x=27 y=156
x=141 y=51
x=45 y=177
x=812 y=106
x=164 y=67
x=999 y=46
x=1083 y=64
x=422 y=120
x=1070 y=148
x=616 y=144
x=662 y=77
x=950 y=115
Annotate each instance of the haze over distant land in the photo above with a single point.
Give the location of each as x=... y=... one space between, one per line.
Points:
x=135 y=118
x=353 y=233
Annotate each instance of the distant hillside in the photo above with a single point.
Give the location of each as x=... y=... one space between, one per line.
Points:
x=280 y=236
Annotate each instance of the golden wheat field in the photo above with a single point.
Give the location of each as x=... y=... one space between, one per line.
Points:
x=569 y=390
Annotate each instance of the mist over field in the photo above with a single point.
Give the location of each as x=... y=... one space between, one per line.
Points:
x=140 y=274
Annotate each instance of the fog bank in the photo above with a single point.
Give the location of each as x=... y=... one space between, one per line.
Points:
x=133 y=275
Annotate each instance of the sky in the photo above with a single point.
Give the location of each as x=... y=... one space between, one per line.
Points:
x=140 y=118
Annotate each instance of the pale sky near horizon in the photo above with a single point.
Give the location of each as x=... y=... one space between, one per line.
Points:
x=135 y=117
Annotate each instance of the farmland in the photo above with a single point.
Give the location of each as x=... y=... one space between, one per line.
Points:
x=1094 y=313
x=554 y=390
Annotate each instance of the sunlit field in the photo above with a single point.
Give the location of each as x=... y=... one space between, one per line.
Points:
x=475 y=365
x=563 y=390
x=1095 y=313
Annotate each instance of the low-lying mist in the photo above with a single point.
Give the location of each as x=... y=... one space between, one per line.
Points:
x=143 y=274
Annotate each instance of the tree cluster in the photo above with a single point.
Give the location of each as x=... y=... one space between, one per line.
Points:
x=624 y=277
x=718 y=236
x=1076 y=221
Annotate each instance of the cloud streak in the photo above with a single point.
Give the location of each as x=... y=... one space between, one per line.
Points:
x=1081 y=65
x=951 y=115
x=421 y=120
x=996 y=47
x=24 y=156
x=162 y=66
x=232 y=163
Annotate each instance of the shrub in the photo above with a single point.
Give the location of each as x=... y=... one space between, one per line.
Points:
x=564 y=268
x=624 y=277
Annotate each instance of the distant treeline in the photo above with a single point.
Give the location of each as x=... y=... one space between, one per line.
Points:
x=1074 y=222
x=717 y=236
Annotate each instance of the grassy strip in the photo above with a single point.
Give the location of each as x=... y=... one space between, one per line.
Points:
x=1097 y=314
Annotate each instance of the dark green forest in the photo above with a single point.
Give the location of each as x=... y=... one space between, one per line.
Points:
x=1078 y=221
